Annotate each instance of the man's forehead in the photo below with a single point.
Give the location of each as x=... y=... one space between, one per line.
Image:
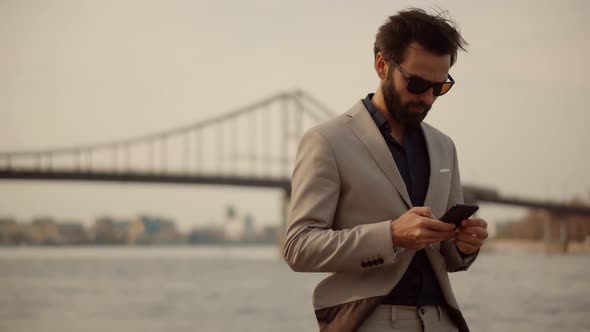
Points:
x=429 y=65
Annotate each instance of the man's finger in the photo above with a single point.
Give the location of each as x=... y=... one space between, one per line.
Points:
x=437 y=225
x=469 y=238
x=429 y=233
x=478 y=231
x=465 y=247
x=475 y=222
x=423 y=211
x=430 y=240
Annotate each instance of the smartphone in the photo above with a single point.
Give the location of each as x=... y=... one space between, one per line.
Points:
x=458 y=213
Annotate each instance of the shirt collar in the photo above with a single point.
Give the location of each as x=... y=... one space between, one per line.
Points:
x=379 y=119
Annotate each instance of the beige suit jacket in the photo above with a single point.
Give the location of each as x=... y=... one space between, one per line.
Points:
x=346 y=189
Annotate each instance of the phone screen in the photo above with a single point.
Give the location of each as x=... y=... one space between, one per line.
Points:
x=458 y=213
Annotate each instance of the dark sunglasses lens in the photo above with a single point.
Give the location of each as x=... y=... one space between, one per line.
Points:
x=442 y=88
x=418 y=85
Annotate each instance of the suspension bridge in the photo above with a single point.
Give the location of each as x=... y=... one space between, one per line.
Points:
x=253 y=146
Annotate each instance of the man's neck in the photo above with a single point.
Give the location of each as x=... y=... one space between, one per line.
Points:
x=397 y=130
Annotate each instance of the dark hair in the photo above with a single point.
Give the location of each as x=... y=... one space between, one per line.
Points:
x=436 y=33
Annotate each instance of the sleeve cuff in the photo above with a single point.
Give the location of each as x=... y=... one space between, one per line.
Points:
x=467 y=258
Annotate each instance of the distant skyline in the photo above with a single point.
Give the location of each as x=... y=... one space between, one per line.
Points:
x=75 y=72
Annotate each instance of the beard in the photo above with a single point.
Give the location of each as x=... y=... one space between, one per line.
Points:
x=400 y=111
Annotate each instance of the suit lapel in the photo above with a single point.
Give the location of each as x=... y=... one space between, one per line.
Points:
x=367 y=132
x=433 y=181
x=434 y=166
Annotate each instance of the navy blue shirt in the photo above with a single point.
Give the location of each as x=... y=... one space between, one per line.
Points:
x=418 y=286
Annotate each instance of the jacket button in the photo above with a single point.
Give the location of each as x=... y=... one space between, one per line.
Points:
x=422 y=311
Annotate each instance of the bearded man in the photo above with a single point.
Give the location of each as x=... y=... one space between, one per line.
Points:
x=369 y=185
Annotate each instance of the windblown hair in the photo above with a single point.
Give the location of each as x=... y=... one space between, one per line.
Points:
x=436 y=33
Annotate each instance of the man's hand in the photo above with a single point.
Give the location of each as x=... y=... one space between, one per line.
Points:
x=417 y=228
x=471 y=235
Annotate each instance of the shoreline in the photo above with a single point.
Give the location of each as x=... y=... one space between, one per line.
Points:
x=531 y=246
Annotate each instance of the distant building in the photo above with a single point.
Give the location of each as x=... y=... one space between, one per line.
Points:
x=9 y=231
x=46 y=230
x=135 y=231
x=72 y=233
x=249 y=234
x=157 y=230
x=208 y=235
x=168 y=233
x=270 y=234
x=233 y=228
x=121 y=230
x=141 y=230
x=104 y=231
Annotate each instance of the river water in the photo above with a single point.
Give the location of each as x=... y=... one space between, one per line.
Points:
x=244 y=289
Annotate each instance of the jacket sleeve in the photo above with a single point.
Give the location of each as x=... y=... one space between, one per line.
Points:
x=454 y=260
x=311 y=244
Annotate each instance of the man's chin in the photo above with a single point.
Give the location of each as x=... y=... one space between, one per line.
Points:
x=414 y=121
x=412 y=125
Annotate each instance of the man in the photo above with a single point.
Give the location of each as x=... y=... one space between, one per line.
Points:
x=367 y=189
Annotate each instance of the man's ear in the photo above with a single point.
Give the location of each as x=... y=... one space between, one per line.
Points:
x=380 y=66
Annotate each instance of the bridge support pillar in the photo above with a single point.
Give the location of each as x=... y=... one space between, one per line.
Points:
x=547 y=234
x=550 y=241
x=564 y=236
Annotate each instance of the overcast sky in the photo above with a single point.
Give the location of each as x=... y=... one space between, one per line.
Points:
x=76 y=72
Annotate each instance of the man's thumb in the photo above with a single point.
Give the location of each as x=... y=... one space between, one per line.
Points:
x=424 y=211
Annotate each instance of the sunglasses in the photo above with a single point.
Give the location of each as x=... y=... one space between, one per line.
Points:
x=418 y=85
